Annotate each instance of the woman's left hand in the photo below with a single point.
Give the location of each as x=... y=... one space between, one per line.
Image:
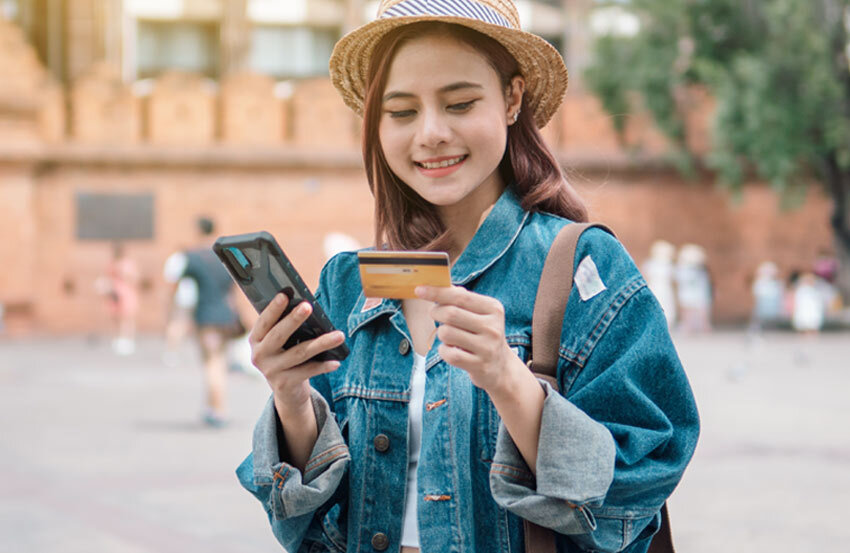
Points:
x=471 y=328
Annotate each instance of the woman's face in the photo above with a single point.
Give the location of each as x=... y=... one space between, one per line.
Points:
x=443 y=127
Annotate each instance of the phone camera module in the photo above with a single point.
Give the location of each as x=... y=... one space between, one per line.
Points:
x=240 y=257
x=239 y=263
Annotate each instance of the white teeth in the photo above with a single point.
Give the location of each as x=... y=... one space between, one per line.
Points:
x=441 y=164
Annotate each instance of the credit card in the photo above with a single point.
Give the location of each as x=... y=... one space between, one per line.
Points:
x=395 y=274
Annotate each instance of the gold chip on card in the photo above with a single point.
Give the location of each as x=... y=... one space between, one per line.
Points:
x=395 y=274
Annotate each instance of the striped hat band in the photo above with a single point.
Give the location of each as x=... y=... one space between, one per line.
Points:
x=457 y=8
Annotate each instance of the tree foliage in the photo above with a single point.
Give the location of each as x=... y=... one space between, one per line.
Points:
x=778 y=70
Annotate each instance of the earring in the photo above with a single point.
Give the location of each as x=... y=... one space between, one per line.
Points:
x=516 y=116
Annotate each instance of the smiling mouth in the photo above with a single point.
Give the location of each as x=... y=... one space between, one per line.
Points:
x=441 y=164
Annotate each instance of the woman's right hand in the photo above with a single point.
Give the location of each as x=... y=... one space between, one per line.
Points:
x=288 y=371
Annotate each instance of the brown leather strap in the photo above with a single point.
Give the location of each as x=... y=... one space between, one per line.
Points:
x=538 y=539
x=542 y=540
x=662 y=541
x=553 y=291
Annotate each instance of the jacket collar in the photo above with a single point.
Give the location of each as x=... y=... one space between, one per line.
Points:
x=496 y=234
x=493 y=238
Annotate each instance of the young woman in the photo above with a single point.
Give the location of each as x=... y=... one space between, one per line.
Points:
x=433 y=435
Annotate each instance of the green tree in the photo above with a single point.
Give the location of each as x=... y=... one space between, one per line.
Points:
x=779 y=72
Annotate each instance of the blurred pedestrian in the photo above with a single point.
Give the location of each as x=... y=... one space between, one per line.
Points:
x=659 y=272
x=826 y=266
x=790 y=286
x=215 y=317
x=809 y=306
x=181 y=307
x=120 y=287
x=693 y=285
x=809 y=313
x=768 y=296
x=826 y=270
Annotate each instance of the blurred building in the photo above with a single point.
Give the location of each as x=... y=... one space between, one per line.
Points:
x=123 y=120
x=283 y=39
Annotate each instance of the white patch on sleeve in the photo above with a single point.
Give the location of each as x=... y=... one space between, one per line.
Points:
x=587 y=279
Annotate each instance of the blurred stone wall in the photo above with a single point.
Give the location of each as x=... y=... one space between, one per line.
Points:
x=255 y=155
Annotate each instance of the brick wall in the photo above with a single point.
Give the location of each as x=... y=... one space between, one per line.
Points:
x=297 y=206
x=300 y=206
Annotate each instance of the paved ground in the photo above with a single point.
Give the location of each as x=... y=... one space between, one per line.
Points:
x=101 y=454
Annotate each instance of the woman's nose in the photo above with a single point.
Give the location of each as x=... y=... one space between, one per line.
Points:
x=434 y=129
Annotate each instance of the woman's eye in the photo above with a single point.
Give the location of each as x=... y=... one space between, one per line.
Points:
x=464 y=106
x=401 y=114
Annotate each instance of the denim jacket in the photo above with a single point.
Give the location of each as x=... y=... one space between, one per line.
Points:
x=613 y=443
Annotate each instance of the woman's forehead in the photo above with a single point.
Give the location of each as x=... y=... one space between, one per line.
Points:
x=435 y=63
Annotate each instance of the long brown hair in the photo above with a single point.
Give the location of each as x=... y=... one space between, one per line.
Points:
x=403 y=219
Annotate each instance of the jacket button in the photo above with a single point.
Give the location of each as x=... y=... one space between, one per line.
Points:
x=380 y=541
x=404 y=346
x=382 y=442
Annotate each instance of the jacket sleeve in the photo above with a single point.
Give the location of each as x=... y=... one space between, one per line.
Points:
x=575 y=466
x=290 y=497
x=296 y=501
x=615 y=441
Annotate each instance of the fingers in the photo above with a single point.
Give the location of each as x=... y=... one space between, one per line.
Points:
x=307 y=371
x=458 y=357
x=460 y=297
x=459 y=338
x=267 y=319
x=280 y=332
x=303 y=352
x=270 y=333
x=458 y=317
x=285 y=370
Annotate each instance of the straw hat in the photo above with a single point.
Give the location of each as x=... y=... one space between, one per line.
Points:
x=540 y=64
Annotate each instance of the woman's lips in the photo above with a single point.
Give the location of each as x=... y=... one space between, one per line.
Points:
x=440 y=167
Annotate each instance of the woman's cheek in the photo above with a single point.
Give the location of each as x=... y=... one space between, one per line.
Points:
x=392 y=146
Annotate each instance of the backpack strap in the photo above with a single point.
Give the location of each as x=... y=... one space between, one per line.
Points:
x=662 y=542
x=553 y=292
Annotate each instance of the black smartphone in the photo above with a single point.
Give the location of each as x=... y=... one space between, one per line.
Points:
x=261 y=269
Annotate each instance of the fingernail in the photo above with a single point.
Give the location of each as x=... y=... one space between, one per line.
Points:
x=419 y=291
x=304 y=307
x=279 y=299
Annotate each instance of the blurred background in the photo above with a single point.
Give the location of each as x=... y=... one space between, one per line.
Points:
x=713 y=136
x=125 y=120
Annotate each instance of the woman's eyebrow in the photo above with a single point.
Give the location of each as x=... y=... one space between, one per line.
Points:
x=448 y=88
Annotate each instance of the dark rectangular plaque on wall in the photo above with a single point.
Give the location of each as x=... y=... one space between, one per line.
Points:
x=114 y=216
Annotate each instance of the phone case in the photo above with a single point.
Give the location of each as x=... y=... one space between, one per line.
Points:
x=258 y=265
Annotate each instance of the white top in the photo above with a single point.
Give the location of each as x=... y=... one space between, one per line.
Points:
x=186 y=295
x=174 y=266
x=410 y=529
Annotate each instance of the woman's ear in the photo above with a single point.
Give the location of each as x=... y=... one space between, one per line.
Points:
x=513 y=98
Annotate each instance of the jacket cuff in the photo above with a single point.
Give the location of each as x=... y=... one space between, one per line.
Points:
x=575 y=468
x=295 y=493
